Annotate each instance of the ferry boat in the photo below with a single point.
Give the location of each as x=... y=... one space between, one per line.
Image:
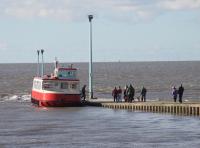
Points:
x=61 y=88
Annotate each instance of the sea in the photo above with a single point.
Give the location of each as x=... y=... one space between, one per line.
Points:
x=24 y=125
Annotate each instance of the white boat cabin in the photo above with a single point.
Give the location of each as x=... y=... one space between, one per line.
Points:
x=64 y=80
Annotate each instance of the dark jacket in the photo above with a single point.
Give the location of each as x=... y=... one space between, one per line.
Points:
x=144 y=91
x=181 y=90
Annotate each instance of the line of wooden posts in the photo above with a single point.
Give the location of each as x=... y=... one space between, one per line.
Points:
x=172 y=108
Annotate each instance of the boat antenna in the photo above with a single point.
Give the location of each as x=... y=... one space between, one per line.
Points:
x=56 y=63
x=70 y=66
x=90 y=17
x=38 y=63
x=42 y=51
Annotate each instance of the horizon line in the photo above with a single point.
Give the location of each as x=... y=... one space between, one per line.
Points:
x=117 y=61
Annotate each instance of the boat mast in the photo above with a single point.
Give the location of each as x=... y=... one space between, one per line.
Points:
x=42 y=74
x=90 y=17
x=38 y=63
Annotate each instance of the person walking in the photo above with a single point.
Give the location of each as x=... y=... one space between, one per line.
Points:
x=174 y=93
x=83 y=92
x=180 y=93
x=114 y=94
x=143 y=94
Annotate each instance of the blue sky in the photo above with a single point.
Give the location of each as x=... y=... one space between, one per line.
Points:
x=125 y=30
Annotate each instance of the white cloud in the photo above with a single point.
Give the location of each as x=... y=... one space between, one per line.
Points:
x=133 y=10
x=180 y=4
x=75 y=9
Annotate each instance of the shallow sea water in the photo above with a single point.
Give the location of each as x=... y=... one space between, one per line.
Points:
x=23 y=125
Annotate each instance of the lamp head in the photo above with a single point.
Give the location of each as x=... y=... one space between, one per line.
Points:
x=90 y=17
x=42 y=51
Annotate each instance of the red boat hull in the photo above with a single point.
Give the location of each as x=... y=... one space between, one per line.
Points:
x=55 y=99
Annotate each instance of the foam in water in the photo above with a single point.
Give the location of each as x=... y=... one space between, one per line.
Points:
x=16 y=98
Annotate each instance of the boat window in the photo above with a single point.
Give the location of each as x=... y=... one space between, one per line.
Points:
x=56 y=84
x=66 y=74
x=64 y=85
x=73 y=86
x=48 y=85
x=70 y=73
x=37 y=85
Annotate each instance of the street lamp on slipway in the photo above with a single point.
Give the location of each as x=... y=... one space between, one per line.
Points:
x=90 y=17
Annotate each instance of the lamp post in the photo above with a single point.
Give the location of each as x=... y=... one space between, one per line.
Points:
x=90 y=17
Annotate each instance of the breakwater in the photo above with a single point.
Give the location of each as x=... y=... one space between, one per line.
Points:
x=189 y=108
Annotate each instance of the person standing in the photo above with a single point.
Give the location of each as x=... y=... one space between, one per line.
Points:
x=119 y=94
x=180 y=93
x=143 y=94
x=126 y=93
x=174 y=93
x=114 y=94
x=131 y=93
x=83 y=92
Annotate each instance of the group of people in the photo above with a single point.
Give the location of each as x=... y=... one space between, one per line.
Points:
x=178 y=93
x=117 y=94
x=129 y=94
